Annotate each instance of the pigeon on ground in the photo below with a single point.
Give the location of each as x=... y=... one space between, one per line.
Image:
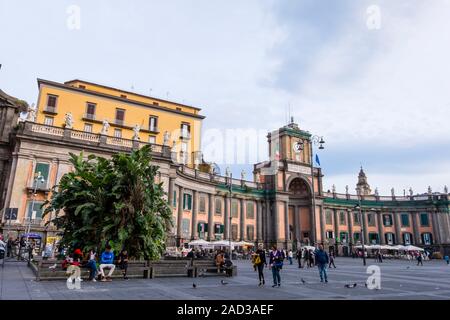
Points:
x=350 y=285
x=303 y=281
x=194 y=285
x=407 y=267
x=223 y=282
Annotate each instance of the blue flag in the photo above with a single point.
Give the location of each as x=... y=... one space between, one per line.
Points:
x=317 y=160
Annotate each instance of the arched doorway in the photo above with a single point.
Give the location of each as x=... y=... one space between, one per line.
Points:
x=300 y=221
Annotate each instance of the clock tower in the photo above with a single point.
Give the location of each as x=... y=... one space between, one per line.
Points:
x=289 y=175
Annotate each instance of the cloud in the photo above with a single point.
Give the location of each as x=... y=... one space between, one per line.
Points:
x=379 y=97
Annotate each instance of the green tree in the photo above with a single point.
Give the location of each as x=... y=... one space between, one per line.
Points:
x=113 y=201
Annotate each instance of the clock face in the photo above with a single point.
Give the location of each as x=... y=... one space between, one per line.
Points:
x=298 y=146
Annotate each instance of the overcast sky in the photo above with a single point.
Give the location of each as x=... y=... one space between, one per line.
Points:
x=379 y=94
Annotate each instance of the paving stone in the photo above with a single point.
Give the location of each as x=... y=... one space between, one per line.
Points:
x=399 y=280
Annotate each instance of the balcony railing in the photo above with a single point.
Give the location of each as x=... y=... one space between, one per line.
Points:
x=153 y=129
x=33 y=222
x=185 y=134
x=89 y=116
x=96 y=139
x=49 y=109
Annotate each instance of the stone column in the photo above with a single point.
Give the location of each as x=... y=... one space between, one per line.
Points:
x=274 y=225
x=366 y=230
x=416 y=234
x=436 y=235
x=350 y=227
x=226 y=224
x=336 y=224
x=322 y=225
x=259 y=221
x=266 y=221
x=241 y=220
x=210 y=217
x=297 y=223
x=171 y=189
x=397 y=224
x=380 y=227
x=180 y=212
x=286 y=222
x=194 y=235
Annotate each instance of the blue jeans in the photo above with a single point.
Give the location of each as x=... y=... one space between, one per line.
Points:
x=276 y=275
x=322 y=271
x=290 y=260
x=91 y=265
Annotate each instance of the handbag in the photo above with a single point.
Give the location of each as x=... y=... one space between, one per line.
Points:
x=257 y=260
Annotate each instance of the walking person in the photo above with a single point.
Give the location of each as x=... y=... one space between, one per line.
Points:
x=311 y=258
x=290 y=256
x=331 y=260
x=322 y=261
x=9 y=247
x=276 y=263
x=380 y=257
x=260 y=262
x=447 y=259
x=306 y=258
x=299 y=257
x=419 y=259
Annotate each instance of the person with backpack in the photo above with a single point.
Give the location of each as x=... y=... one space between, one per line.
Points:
x=276 y=263
x=322 y=260
x=259 y=262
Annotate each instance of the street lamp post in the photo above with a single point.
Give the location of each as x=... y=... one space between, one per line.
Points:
x=316 y=140
x=358 y=207
x=230 y=189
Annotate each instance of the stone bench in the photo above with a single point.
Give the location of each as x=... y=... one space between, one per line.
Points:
x=171 y=268
x=204 y=267
x=52 y=270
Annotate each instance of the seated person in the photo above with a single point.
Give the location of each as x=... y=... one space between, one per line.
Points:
x=220 y=261
x=74 y=264
x=228 y=265
x=92 y=265
x=107 y=261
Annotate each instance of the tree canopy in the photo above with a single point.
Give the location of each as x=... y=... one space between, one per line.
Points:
x=115 y=201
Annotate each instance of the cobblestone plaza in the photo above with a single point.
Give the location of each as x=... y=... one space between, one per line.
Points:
x=400 y=280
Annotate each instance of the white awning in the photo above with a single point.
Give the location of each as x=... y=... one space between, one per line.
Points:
x=199 y=242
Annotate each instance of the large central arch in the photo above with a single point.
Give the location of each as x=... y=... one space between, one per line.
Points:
x=300 y=215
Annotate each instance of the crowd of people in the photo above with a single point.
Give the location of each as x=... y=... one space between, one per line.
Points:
x=276 y=258
x=18 y=247
x=107 y=260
